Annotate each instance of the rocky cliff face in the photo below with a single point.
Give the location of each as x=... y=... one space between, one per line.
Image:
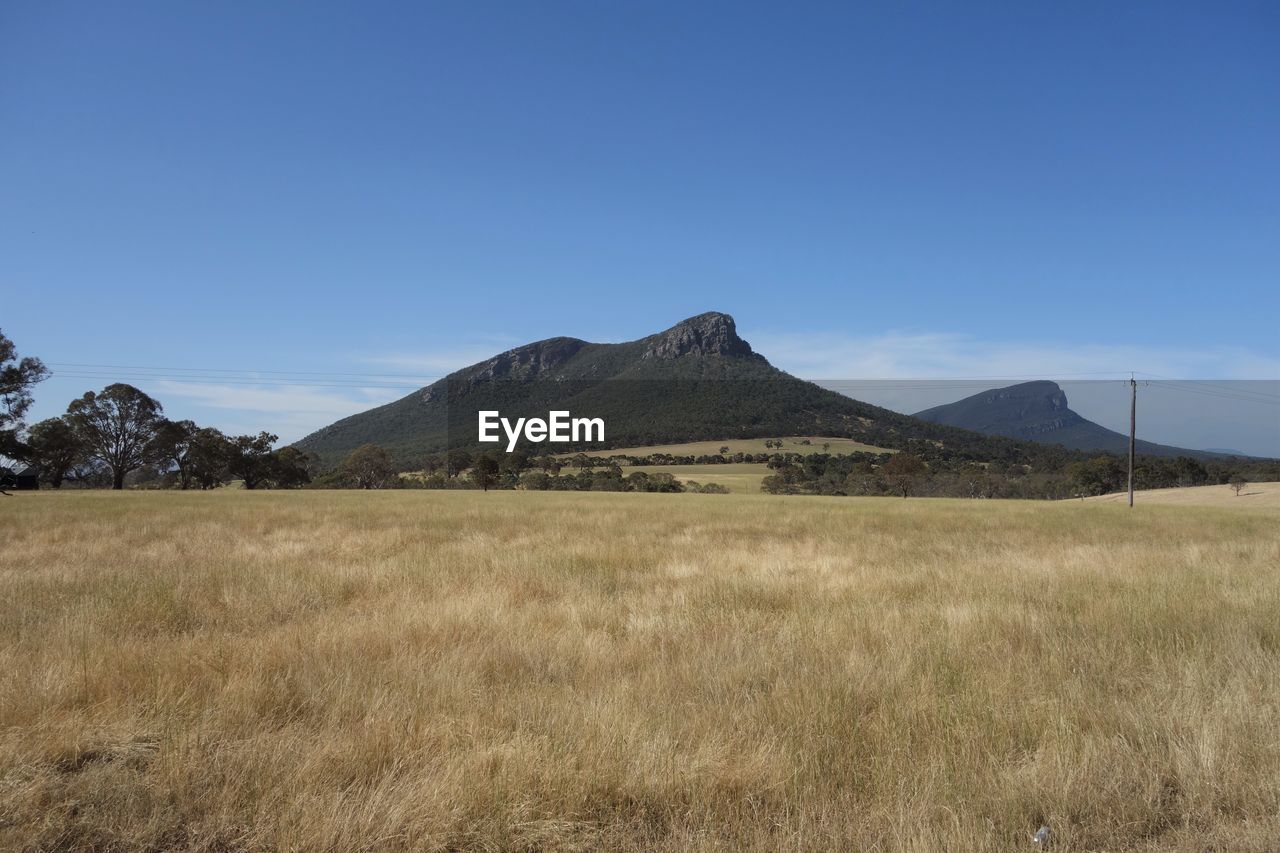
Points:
x=1026 y=410
x=1039 y=396
x=712 y=333
x=1031 y=409
x=529 y=361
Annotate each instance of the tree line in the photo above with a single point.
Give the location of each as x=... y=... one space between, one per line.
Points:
x=108 y=437
x=907 y=473
x=373 y=467
x=120 y=435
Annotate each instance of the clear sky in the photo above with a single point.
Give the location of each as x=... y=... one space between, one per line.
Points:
x=872 y=189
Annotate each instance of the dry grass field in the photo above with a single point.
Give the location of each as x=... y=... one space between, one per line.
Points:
x=791 y=444
x=559 y=671
x=742 y=478
x=1252 y=496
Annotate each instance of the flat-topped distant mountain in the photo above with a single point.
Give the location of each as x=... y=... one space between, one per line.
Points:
x=1038 y=411
x=696 y=381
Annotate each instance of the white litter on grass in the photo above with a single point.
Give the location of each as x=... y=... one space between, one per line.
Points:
x=1041 y=837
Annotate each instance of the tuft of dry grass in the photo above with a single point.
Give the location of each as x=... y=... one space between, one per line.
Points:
x=560 y=671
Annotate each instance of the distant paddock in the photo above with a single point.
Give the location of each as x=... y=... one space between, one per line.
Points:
x=1253 y=495
x=790 y=444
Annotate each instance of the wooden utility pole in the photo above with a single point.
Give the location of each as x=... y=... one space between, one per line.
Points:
x=1133 y=428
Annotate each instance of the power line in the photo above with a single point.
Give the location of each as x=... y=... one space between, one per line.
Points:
x=1243 y=393
x=196 y=380
x=1212 y=383
x=993 y=377
x=1262 y=400
x=934 y=384
x=79 y=365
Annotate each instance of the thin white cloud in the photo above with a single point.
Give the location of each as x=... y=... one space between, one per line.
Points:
x=430 y=365
x=934 y=355
x=287 y=410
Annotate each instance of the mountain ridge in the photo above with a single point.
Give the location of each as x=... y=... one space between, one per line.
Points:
x=1039 y=411
x=559 y=372
x=697 y=380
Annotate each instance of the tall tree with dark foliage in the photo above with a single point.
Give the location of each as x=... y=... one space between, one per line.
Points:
x=292 y=467
x=250 y=459
x=55 y=448
x=17 y=375
x=171 y=446
x=904 y=472
x=485 y=471
x=207 y=457
x=369 y=467
x=117 y=425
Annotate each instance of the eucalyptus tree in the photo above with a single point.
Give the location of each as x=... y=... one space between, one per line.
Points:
x=17 y=376
x=117 y=426
x=55 y=448
x=206 y=459
x=369 y=467
x=250 y=459
x=171 y=447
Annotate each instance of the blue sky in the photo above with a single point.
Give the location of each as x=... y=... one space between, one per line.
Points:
x=872 y=190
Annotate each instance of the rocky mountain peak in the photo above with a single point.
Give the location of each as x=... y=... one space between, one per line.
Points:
x=530 y=361
x=712 y=333
x=1044 y=394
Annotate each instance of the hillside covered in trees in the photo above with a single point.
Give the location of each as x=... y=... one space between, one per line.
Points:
x=696 y=381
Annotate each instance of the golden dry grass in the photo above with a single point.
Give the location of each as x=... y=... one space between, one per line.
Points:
x=791 y=444
x=742 y=478
x=1252 y=496
x=546 y=671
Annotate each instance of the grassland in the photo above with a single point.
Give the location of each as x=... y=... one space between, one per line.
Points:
x=791 y=444
x=741 y=478
x=521 y=671
x=1253 y=495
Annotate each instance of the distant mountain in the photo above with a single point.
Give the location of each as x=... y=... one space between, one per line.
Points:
x=696 y=381
x=1038 y=411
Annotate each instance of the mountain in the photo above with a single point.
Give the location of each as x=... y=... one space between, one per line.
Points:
x=1038 y=411
x=696 y=381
